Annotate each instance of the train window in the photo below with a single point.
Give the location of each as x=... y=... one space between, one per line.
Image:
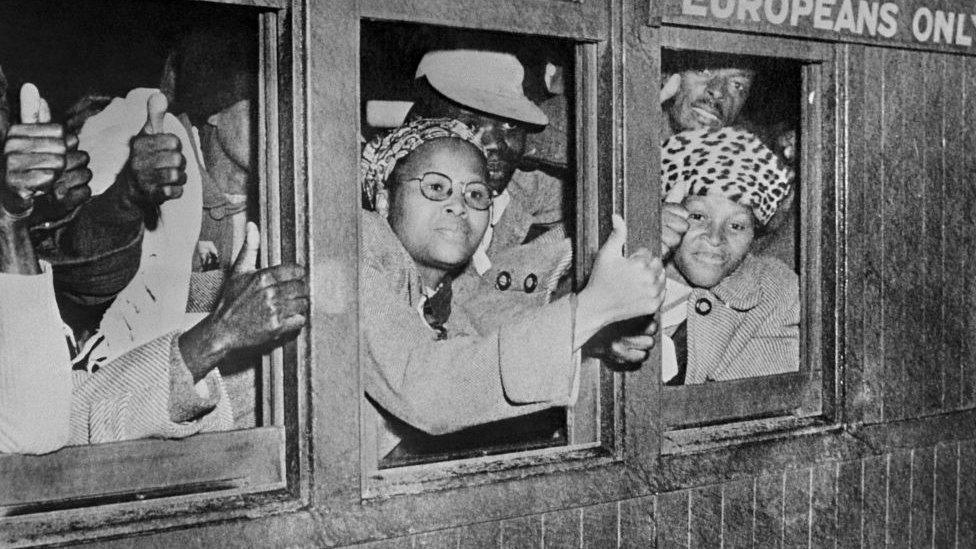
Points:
x=158 y=275
x=742 y=163
x=516 y=98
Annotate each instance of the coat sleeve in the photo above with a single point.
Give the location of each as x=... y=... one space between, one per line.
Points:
x=441 y=386
x=35 y=370
x=148 y=392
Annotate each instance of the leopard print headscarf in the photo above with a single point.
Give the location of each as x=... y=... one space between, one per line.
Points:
x=380 y=155
x=729 y=162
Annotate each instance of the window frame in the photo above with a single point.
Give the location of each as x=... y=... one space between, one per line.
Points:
x=809 y=393
x=594 y=384
x=61 y=497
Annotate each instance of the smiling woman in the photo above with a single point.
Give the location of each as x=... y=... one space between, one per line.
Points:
x=741 y=315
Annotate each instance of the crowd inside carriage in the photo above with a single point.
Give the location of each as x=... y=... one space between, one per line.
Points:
x=133 y=305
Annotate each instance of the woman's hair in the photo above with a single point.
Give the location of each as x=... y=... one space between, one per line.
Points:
x=382 y=155
x=728 y=162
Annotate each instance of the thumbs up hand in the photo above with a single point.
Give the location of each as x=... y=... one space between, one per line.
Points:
x=156 y=166
x=40 y=158
x=257 y=310
x=620 y=287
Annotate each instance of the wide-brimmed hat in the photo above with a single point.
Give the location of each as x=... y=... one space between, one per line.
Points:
x=486 y=81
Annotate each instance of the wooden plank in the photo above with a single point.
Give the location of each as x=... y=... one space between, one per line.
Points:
x=599 y=526
x=637 y=523
x=737 y=513
x=933 y=242
x=967 y=362
x=485 y=534
x=956 y=337
x=640 y=203
x=945 y=510
x=672 y=518
x=562 y=528
x=871 y=395
x=966 y=527
x=923 y=129
x=768 y=529
x=442 y=539
x=823 y=505
x=706 y=516
x=923 y=496
x=796 y=508
x=585 y=21
x=691 y=405
x=896 y=200
x=849 y=483
x=126 y=471
x=899 y=501
x=328 y=136
x=874 y=501
x=522 y=532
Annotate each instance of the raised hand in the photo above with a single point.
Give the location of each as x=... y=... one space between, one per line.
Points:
x=619 y=287
x=674 y=224
x=670 y=87
x=257 y=310
x=41 y=158
x=157 y=167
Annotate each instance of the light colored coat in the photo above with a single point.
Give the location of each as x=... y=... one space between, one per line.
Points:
x=752 y=327
x=467 y=379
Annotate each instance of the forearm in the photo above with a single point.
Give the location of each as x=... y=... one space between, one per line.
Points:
x=201 y=349
x=107 y=222
x=16 y=252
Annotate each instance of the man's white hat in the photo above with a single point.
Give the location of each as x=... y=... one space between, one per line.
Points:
x=486 y=81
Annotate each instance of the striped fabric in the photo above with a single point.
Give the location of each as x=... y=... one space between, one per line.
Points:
x=751 y=327
x=147 y=392
x=467 y=379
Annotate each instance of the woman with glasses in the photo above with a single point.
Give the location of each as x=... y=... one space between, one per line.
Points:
x=426 y=366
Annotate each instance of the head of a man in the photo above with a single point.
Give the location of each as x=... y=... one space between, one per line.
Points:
x=712 y=92
x=215 y=77
x=482 y=89
x=428 y=178
x=731 y=185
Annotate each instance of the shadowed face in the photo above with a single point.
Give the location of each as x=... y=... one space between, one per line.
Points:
x=719 y=235
x=233 y=132
x=710 y=98
x=440 y=236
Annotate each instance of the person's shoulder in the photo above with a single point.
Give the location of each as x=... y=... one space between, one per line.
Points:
x=379 y=247
x=775 y=277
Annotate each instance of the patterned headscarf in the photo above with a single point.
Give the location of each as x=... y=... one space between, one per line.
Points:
x=380 y=155
x=729 y=162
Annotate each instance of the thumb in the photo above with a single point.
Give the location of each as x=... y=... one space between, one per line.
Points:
x=30 y=104
x=618 y=237
x=247 y=258
x=155 y=112
x=670 y=88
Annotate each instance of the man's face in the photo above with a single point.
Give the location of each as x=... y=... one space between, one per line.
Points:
x=234 y=133
x=503 y=140
x=439 y=235
x=710 y=98
x=719 y=234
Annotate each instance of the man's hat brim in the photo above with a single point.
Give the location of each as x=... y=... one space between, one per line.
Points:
x=504 y=105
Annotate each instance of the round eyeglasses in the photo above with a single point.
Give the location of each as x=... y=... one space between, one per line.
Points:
x=439 y=187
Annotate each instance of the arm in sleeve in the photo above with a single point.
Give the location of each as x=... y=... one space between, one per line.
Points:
x=467 y=379
x=148 y=392
x=35 y=371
